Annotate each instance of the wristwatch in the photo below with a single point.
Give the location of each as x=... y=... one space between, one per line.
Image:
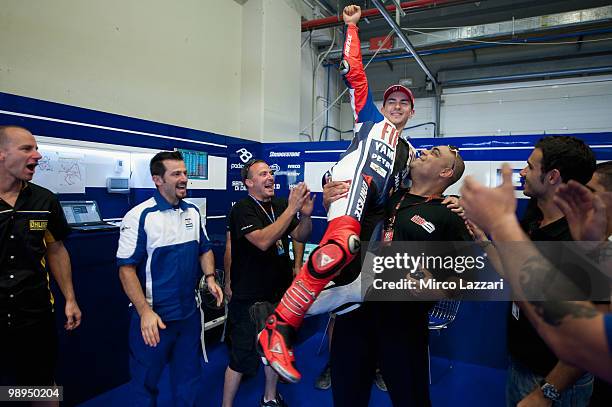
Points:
x=550 y=391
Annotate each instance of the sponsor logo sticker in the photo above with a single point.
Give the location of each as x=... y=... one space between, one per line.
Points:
x=245 y=155
x=428 y=226
x=285 y=153
x=38 y=224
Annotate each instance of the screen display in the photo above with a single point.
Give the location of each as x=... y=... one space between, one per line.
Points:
x=119 y=183
x=80 y=212
x=196 y=163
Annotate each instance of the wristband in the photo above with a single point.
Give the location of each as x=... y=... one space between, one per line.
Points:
x=485 y=243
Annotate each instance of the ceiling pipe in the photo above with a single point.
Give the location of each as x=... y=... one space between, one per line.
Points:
x=492 y=31
x=405 y=41
x=414 y=5
x=534 y=75
x=493 y=45
x=402 y=37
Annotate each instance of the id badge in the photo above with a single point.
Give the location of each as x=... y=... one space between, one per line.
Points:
x=279 y=248
x=388 y=235
x=515 y=311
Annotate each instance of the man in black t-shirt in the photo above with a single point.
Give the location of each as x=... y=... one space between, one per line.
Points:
x=32 y=227
x=535 y=373
x=261 y=270
x=394 y=335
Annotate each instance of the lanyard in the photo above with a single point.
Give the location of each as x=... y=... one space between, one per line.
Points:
x=390 y=222
x=280 y=250
x=273 y=218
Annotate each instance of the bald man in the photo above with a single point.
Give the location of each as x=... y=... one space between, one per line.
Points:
x=32 y=227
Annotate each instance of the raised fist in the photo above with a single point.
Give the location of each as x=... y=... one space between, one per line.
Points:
x=351 y=14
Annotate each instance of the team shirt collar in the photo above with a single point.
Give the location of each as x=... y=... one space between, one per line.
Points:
x=163 y=204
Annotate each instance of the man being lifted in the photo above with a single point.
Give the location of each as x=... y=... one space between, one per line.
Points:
x=374 y=164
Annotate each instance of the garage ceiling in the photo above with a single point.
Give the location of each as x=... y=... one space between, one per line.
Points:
x=468 y=42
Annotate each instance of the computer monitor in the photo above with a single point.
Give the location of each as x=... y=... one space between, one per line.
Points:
x=196 y=163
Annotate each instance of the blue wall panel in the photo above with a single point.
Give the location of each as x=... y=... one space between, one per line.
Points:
x=42 y=119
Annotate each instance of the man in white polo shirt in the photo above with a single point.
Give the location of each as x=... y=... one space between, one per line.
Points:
x=163 y=248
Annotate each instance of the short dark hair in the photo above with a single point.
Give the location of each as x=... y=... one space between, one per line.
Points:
x=4 y=134
x=244 y=172
x=604 y=170
x=572 y=157
x=157 y=165
x=459 y=166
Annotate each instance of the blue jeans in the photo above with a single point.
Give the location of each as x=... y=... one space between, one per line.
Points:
x=522 y=381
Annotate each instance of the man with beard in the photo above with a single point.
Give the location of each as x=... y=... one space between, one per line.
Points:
x=575 y=330
x=535 y=373
x=163 y=248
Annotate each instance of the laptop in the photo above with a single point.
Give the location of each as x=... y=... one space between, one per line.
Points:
x=84 y=216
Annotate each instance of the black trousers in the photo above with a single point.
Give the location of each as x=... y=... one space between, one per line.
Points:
x=28 y=354
x=390 y=335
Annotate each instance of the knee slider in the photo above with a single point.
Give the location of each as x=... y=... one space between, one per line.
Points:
x=326 y=260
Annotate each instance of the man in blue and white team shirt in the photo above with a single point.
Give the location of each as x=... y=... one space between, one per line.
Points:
x=163 y=248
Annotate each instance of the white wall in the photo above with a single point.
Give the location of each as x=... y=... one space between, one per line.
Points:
x=172 y=62
x=251 y=101
x=563 y=106
x=281 y=74
x=229 y=67
x=544 y=107
x=270 y=89
x=238 y=70
x=325 y=91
